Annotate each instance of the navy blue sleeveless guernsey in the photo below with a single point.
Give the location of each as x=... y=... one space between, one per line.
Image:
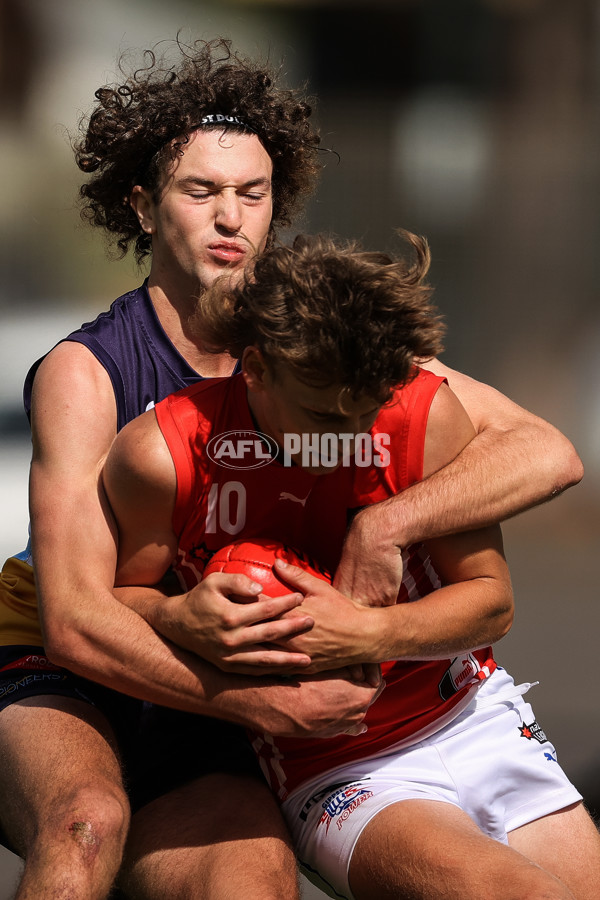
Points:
x=141 y=361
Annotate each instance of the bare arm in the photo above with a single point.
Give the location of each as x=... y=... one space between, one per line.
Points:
x=85 y=627
x=514 y=461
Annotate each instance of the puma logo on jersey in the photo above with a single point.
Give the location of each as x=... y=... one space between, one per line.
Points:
x=284 y=495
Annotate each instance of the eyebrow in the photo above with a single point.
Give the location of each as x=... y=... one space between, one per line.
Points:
x=193 y=180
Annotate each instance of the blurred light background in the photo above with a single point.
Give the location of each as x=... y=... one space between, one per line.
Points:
x=475 y=123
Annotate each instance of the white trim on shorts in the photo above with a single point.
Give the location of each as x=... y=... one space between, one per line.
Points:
x=493 y=761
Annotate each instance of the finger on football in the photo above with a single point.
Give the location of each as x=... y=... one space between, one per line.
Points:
x=296 y=577
x=236 y=585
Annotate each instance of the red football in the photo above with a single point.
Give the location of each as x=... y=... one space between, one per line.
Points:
x=255 y=559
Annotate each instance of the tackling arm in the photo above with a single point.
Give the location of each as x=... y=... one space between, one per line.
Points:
x=516 y=459
x=513 y=462
x=84 y=626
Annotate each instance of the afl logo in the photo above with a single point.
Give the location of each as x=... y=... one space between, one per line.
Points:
x=242 y=449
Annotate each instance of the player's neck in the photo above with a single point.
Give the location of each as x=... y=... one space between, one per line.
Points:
x=176 y=315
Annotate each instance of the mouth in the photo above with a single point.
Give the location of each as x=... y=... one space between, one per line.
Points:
x=227 y=251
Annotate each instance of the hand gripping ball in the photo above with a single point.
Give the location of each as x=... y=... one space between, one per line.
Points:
x=255 y=559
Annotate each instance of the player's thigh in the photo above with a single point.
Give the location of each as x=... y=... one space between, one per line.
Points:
x=429 y=850
x=566 y=843
x=58 y=758
x=222 y=835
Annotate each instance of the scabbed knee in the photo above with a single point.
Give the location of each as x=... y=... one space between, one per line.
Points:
x=96 y=818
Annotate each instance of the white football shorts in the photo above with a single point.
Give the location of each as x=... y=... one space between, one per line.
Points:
x=493 y=761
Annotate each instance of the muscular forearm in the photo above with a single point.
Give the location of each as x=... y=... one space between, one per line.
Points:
x=473 y=608
x=136 y=661
x=451 y=620
x=121 y=648
x=515 y=461
x=114 y=646
x=447 y=622
x=496 y=476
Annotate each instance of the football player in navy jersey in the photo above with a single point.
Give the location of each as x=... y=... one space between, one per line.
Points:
x=193 y=166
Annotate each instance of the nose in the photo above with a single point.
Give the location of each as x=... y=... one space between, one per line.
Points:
x=228 y=213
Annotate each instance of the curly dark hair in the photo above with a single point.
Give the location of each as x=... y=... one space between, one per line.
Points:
x=137 y=129
x=331 y=312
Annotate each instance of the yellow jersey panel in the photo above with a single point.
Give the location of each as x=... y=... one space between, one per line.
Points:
x=19 y=617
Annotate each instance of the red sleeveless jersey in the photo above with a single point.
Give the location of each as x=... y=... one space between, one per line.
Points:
x=232 y=485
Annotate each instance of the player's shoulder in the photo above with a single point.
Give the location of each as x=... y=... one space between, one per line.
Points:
x=139 y=455
x=71 y=375
x=424 y=380
x=141 y=434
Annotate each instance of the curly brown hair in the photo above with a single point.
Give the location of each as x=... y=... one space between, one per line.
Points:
x=137 y=128
x=331 y=312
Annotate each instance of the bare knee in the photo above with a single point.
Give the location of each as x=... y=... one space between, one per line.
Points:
x=88 y=818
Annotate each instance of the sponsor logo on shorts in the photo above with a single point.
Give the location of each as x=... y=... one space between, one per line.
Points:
x=31 y=661
x=24 y=682
x=533 y=732
x=462 y=670
x=338 y=807
x=303 y=815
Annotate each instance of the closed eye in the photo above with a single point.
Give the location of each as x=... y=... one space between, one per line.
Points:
x=254 y=198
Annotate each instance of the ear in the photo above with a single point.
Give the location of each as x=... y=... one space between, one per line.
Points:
x=255 y=370
x=143 y=206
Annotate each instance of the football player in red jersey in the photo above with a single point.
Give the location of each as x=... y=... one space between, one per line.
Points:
x=445 y=794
